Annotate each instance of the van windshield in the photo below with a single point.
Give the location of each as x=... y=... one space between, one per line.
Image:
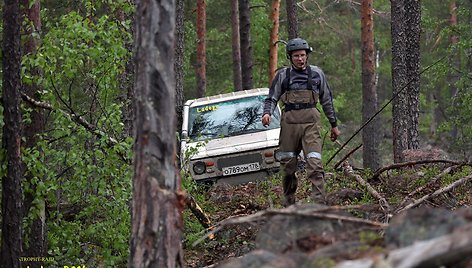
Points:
x=229 y=118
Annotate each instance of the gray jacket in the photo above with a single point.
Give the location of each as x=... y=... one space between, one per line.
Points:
x=298 y=81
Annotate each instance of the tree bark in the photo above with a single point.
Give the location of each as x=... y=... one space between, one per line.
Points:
x=405 y=73
x=37 y=236
x=179 y=64
x=11 y=182
x=157 y=203
x=246 y=47
x=371 y=133
x=291 y=19
x=453 y=77
x=274 y=37
x=201 y=48
x=236 y=46
x=413 y=31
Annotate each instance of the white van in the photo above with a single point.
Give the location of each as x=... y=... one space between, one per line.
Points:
x=223 y=139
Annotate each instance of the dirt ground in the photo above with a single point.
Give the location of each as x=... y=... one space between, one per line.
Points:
x=225 y=201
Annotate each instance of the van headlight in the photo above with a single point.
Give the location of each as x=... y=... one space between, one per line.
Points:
x=199 y=167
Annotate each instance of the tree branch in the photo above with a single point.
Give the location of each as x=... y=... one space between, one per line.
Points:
x=292 y=211
x=446 y=189
x=413 y=163
x=347 y=156
x=75 y=118
x=350 y=172
x=421 y=188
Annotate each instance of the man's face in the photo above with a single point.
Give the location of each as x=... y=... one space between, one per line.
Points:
x=299 y=59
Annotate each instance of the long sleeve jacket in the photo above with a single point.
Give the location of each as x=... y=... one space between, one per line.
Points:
x=298 y=81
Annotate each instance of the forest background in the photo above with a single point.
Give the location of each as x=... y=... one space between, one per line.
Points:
x=78 y=174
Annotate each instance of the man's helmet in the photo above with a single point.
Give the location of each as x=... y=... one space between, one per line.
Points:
x=297 y=44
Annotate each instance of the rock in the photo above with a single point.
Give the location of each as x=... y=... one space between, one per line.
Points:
x=421 y=224
x=260 y=258
x=284 y=233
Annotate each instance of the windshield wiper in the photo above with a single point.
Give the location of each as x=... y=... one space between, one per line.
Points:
x=243 y=131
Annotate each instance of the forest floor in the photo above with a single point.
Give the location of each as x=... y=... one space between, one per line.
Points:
x=398 y=187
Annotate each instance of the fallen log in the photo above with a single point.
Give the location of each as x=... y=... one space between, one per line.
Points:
x=292 y=211
x=446 y=189
x=197 y=211
x=350 y=172
x=421 y=188
x=413 y=163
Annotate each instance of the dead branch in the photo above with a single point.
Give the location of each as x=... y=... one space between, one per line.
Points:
x=347 y=156
x=445 y=189
x=292 y=211
x=421 y=188
x=413 y=163
x=197 y=211
x=350 y=172
x=75 y=118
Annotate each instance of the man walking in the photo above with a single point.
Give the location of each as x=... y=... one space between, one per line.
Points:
x=300 y=87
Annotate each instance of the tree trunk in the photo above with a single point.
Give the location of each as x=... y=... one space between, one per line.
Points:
x=201 y=48
x=127 y=77
x=453 y=77
x=179 y=64
x=274 y=37
x=405 y=75
x=236 y=47
x=292 y=19
x=37 y=236
x=413 y=31
x=246 y=47
x=371 y=132
x=11 y=182
x=157 y=202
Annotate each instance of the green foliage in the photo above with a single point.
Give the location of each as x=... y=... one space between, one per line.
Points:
x=84 y=182
x=82 y=178
x=449 y=81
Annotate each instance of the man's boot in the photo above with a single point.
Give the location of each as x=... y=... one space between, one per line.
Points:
x=290 y=184
x=318 y=195
x=289 y=200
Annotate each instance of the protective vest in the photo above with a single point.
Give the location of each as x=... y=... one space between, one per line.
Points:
x=299 y=105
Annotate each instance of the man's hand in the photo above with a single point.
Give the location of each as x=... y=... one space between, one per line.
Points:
x=266 y=120
x=335 y=133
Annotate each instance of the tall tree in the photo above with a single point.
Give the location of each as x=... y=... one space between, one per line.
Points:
x=11 y=142
x=127 y=76
x=246 y=46
x=371 y=133
x=274 y=37
x=236 y=46
x=157 y=212
x=201 y=48
x=405 y=27
x=292 y=19
x=453 y=39
x=37 y=236
x=179 y=61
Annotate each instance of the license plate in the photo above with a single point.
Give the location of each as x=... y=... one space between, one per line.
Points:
x=241 y=169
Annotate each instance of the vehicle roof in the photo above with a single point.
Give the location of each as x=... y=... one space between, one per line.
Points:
x=227 y=96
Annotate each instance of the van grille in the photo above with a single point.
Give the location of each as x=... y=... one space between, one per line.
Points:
x=239 y=160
